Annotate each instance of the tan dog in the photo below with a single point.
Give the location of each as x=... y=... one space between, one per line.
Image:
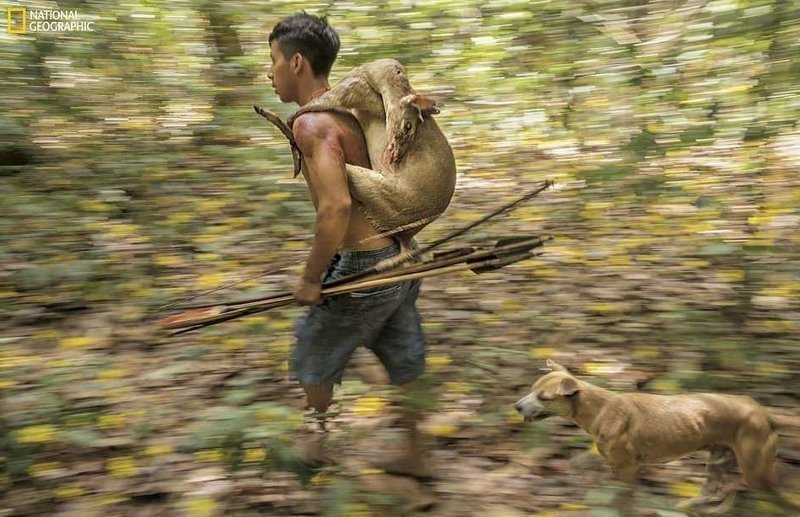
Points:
x=632 y=429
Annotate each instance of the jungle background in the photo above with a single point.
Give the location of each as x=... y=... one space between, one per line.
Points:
x=134 y=172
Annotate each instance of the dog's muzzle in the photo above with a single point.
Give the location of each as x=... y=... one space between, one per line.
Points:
x=531 y=409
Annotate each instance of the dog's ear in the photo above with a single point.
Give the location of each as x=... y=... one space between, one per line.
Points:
x=554 y=366
x=568 y=387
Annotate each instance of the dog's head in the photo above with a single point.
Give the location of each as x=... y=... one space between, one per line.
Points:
x=550 y=395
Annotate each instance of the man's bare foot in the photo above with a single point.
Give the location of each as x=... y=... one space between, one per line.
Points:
x=312 y=450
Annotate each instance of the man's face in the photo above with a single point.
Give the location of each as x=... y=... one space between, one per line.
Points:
x=280 y=74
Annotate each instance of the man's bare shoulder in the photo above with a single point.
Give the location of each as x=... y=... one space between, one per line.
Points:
x=312 y=127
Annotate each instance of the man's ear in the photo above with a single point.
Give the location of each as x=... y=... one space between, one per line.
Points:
x=296 y=62
x=568 y=387
x=554 y=366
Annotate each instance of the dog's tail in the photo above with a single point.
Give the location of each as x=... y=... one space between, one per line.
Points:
x=784 y=421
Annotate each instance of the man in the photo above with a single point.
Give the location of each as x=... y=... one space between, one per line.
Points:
x=302 y=49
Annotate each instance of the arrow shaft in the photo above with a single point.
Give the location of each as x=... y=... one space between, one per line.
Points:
x=260 y=306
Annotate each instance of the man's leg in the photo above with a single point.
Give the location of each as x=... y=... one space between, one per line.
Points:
x=413 y=460
x=312 y=443
x=400 y=346
x=319 y=397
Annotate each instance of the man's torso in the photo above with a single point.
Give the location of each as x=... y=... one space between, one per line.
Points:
x=354 y=146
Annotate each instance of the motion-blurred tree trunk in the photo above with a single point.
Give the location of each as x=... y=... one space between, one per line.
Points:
x=232 y=79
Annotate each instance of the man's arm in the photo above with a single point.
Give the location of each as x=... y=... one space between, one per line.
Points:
x=318 y=139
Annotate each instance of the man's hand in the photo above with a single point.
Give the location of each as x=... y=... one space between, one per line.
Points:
x=307 y=292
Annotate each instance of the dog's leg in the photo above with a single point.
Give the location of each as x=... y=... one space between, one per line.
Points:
x=755 y=450
x=719 y=470
x=624 y=499
x=718 y=493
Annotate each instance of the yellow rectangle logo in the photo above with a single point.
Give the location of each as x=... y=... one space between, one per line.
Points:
x=17 y=20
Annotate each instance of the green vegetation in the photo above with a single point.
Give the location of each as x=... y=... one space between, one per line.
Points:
x=133 y=171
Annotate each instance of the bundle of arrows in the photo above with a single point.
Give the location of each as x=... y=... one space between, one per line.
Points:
x=476 y=259
x=504 y=252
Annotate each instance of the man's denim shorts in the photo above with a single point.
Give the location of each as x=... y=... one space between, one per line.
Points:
x=383 y=319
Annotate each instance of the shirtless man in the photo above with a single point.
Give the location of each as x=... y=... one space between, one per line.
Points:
x=303 y=49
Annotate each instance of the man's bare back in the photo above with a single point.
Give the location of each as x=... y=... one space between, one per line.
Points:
x=354 y=145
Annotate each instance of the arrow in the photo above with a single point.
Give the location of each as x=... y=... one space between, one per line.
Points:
x=504 y=253
x=468 y=254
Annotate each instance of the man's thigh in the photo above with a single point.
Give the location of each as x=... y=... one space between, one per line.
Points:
x=400 y=344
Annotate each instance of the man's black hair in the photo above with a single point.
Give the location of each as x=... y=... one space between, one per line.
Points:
x=311 y=36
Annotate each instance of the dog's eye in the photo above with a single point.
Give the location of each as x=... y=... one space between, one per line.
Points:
x=407 y=126
x=543 y=397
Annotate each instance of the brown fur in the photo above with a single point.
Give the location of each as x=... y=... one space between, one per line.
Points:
x=632 y=429
x=413 y=169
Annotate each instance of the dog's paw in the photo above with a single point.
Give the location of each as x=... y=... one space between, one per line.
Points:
x=708 y=505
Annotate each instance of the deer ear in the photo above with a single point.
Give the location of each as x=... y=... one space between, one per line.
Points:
x=426 y=105
x=554 y=366
x=568 y=387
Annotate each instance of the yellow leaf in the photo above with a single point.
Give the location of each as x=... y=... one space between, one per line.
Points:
x=667 y=386
x=176 y=218
x=79 y=342
x=36 y=434
x=322 y=479
x=122 y=466
x=455 y=387
x=209 y=455
x=111 y=421
x=368 y=406
x=541 y=352
x=201 y=506
x=123 y=230
x=280 y=195
x=111 y=374
x=646 y=352
x=44 y=468
x=545 y=272
x=94 y=206
x=695 y=263
x=768 y=368
x=356 y=510
x=212 y=204
x=514 y=417
x=69 y=492
x=109 y=499
x=279 y=324
x=731 y=275
x=234 y=344
x=606 y=307
x=168 y=260
x=443 y=430
x=572 y=507
x=438 y=361
x=7 y=383
x=158 y=450
x=255 y=455
x=208 y=257
x=684 y=489
x=209 y=281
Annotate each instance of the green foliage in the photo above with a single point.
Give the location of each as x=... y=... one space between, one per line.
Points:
x=134 y=172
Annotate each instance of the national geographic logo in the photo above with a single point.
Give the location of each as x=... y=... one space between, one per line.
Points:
x=16 y=18
x=23 y=21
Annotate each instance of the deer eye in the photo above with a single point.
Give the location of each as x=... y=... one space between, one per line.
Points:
x=407 y=126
